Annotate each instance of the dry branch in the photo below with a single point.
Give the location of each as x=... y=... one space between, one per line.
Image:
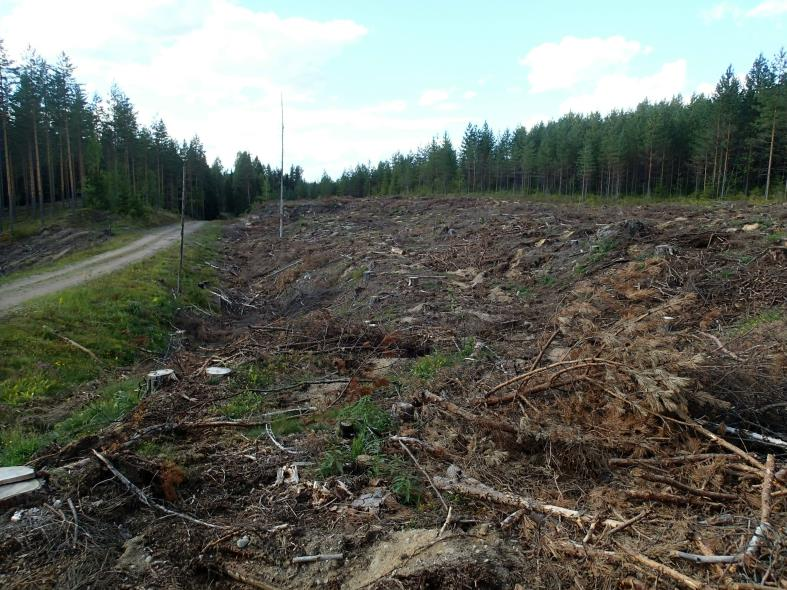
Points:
x=244 y=578
x=426 y=475
x=475 y=489
x=144 y=499
x=77 y=345
x=753 y=548
x=490 y=423
x=656 y=478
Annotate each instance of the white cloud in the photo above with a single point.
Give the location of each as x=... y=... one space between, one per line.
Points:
x=433 y=96
x=620 y=91
x=469 y=94
x=723 y=10
x=557 y=66
x=706 y=88
x=769 y=8
x=210 y=67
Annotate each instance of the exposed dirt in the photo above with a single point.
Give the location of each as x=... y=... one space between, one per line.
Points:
x=15 y=293
x=535 y=358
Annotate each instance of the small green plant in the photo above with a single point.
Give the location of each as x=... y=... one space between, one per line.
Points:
x=406 y=488
x=365 y=415
x=284 y=426
x=548 y=280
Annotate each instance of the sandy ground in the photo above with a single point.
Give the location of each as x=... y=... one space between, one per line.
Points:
x=18 y=292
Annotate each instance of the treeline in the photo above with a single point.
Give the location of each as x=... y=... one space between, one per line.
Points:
x=59 y=148
x=732 y=142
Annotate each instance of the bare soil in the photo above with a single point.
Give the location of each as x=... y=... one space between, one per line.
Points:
x=509 y=361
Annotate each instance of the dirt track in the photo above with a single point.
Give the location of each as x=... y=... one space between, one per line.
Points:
x=18 y=292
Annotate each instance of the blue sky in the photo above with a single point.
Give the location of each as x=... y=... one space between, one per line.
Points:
x=362 y=79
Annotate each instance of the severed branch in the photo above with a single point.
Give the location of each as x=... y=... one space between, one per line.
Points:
x=76 y=521
x=753 y=548
x=656 y=478
x=426 y=475
x=490 y=423
x=544 y=348
x=583 y=551
x=473 y=488
x=78 y=346
x=244 y=578
x=653 y=496
x=721 y=347
x=320 y=557
x=144 y=499
x=572 y=364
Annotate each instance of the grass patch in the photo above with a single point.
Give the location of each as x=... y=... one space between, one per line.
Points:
x=371 y=425
x=427 y=366
x=113 y=401
x=769 y=316
x=113 y=316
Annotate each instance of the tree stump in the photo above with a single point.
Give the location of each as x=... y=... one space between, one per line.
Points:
x=155 y=380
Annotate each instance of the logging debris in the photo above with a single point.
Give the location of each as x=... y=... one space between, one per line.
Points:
x=456 y=393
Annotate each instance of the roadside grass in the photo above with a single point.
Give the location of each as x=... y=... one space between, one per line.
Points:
x=114 y=317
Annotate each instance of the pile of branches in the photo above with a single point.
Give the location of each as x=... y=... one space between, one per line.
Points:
x=613 y=397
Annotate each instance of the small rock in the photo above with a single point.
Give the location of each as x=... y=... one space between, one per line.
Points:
x=751 y=227
x=665 y=250
x=403 y=411
x=364 y=460
x=243 y=542
x=370 y=501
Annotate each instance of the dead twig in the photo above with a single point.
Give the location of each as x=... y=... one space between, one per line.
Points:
x=76 y=521
x=721 y=347
x=656 y=478
x=144 y=499
x=320 y=557
x=426 y=475
x=77 y=345
x=494 y=424
x=244 y=578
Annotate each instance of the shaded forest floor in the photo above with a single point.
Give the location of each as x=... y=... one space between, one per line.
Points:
x=448 y=393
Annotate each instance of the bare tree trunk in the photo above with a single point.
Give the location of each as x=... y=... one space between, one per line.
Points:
x=32 y=198
x=38 y=184
x=62 y=169
x=770 y=156
x=281 y=177
x=70 y=166
x=726 y=160
x=8 y=174
x=650 y=168
x=50 y=173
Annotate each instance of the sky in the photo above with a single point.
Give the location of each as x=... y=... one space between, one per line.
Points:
x=362 y=79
